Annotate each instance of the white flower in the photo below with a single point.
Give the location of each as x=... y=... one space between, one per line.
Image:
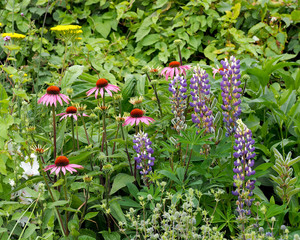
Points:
x=273 y=19
x=30 y=169
x=12 y=183
x=256 y=39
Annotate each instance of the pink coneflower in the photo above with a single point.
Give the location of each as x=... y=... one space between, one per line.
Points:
x=62 y=164
x=174 y=69
x=100 y=86
x=71 y=112
x=53 y=94
x=136 y=116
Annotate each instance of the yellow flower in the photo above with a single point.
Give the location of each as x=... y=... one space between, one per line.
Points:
x=25 y=75
x=11 y=76
x=67 y=29
x=13 y=35
x=78 y=38
x=0 y=24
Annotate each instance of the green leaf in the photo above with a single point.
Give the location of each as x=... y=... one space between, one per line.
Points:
x=120 y=181
x=260 y=194
x=295 y=15
x=116 y=211
x=57 y=203
x=150 y=39
x=58 y=182
x=209 y=52
x=170 y=175
x=110 y=236
x=29 y=231
x=90 y=215
x=71 y=75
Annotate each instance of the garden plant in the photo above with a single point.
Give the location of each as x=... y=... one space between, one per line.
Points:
x=149 y=119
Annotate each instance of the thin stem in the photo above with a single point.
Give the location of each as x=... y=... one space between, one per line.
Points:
x=54 y=131
x=113 y=150
x=126 y=148
x=77 y=135
x=73 y=135
x=156 y=95
x=188 y=164
x=86 y=133
x=179 y=53
x=85 y=205
x=51 y=194
x=104 y=126
x=66 y=197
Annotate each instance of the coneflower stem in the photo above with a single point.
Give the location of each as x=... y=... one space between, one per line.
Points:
x=66 y=197
x=156 y=95
x=86 y=133
x=113 y=150
x=179 y=53
x=85 y=204
x=126 y=148
x=135 y=164
x=73 y=135
x=104 y=126
x=51 y=195
x=77 y=135
x=54 y=132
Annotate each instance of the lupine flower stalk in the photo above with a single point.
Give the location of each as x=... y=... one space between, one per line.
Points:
x=244 y=154
x=200 y=86
x=178 y=89
x=144 y=160
x=231 y=92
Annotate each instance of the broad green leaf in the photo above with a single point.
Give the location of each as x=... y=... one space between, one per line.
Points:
x=90 y=215
x=116 y=211
x=57 y=203
x=110 y=236
x=71 y=75
x=120 y=181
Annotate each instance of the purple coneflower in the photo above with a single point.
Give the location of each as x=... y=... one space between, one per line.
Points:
x=71 y=112
x=101 y=85
x=137 y=116
x=174 y=69
x=62 y=164
x=52 y=96
x=6 y=38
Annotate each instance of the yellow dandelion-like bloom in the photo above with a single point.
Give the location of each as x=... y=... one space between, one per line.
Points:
x=13 y=35
x=67 y=29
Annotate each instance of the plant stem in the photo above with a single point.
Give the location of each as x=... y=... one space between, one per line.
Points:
x=85 y=205
x=51 y=194
x=86 y=133
x=73 y=135
x=126 y=148
x=104 y=126
x=179 y=53
x=188 y=164
x=156 y=95
x=54 y=131
x=66 y=197
x=113 y=150
x=77 y=135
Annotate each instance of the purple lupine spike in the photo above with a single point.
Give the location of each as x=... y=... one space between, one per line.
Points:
x=200 y=91
x=243 y=168
x=231 y=92
x=178 y=89
x=144 y=159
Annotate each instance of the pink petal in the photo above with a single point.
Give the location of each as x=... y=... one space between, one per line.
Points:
x=126 y=121
x=89 y=92
x=41 y=99
x=138 y=120
x=59 y=100
x=49 y=167
x=96 y=93
x=172 y=73
x=109 y=92
x=72 y=165
x=101 y=92
x=58 y=170
x=69 y=169
x=133 y=121
x=85 y=115
x=145 y=120
x=53 y=170
x=64 y=98
x=63 y=170
x=74 y=115
x=177 y=71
